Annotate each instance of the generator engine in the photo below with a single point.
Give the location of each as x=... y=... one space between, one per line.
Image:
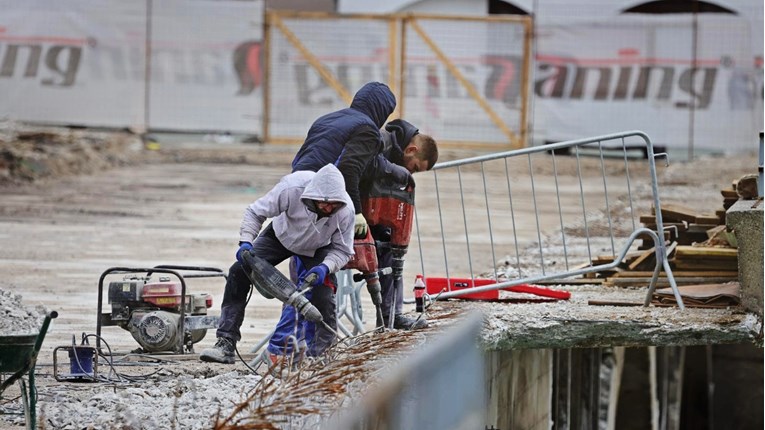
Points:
x=151 y=312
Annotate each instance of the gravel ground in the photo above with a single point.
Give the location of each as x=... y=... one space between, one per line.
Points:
x=16 y=318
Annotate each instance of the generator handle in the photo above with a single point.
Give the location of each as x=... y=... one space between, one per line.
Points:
x=212 y=271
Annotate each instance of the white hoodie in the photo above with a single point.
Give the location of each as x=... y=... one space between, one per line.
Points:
x=298 y=228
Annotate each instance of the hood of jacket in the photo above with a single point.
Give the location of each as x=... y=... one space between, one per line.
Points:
x=327 y=185
x=399 y=134
x=376 y=100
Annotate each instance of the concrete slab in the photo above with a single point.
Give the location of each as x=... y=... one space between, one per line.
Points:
x=575 y=324
x=745 y=219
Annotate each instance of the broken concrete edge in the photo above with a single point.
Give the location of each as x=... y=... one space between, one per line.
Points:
x=747 y=328
x=745 y=219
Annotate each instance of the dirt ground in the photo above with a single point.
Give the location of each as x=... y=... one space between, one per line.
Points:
x=72 y=207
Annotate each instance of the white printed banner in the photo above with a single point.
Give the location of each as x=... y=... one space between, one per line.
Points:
x=84 y=62
x=627 y=74
x=206 y=66
x=73 y=62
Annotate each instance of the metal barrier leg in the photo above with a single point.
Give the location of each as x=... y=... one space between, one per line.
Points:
x=652 y=285
x=349 y=303
x=662 y=262
x=673 y=284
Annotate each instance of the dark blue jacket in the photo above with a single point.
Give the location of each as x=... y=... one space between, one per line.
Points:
x=349 y=138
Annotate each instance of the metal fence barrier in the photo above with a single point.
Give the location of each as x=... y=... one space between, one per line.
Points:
x=589 y=198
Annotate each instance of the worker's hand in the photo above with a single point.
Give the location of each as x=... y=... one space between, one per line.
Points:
x=360 y=226
x=401 y=176
x=320 y=271
x=243 y=246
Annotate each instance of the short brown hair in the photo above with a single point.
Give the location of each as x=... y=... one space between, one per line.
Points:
x=428 y=149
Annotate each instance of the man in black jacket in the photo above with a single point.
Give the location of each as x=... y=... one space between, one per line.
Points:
x=403 y=146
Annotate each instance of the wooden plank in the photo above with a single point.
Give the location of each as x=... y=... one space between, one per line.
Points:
x=663 y=282
x=612 y=303
x=602 y=259
x=647 y=260
x=707 y=265
x=644 y=257
x=668 y=236
x=676 y=212
x=679 y=274
x=708 y=219
x=608 y=259
x=700 y=228
x=705 y=252
x=580 y=266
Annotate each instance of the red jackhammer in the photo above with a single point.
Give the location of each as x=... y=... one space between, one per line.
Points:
x=392 y=207
x=388 y=206
x=365 y=261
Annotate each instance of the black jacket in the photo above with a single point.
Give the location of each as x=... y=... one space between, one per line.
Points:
x=396 y=137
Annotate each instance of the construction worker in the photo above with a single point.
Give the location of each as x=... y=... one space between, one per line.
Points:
x=349 y=138
x=312 y=219
x=403 y=146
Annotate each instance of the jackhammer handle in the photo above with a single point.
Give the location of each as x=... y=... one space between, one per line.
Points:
x=358 y=277
x=307 y=281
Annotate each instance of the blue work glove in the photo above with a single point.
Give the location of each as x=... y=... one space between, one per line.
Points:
x=243 y=246
x=320 y=271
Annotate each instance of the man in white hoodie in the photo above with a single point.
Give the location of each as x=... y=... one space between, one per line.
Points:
x=312 y=218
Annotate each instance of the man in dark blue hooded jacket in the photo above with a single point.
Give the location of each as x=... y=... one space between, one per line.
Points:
x=351 y=139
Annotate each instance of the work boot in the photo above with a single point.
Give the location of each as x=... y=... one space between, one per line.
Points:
x=403 y=322
x=222 y=352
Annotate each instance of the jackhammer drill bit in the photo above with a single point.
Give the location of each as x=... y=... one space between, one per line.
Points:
x=375 y=291
x=305 y=287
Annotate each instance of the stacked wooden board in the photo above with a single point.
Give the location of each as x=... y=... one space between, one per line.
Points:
x=699 y=251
